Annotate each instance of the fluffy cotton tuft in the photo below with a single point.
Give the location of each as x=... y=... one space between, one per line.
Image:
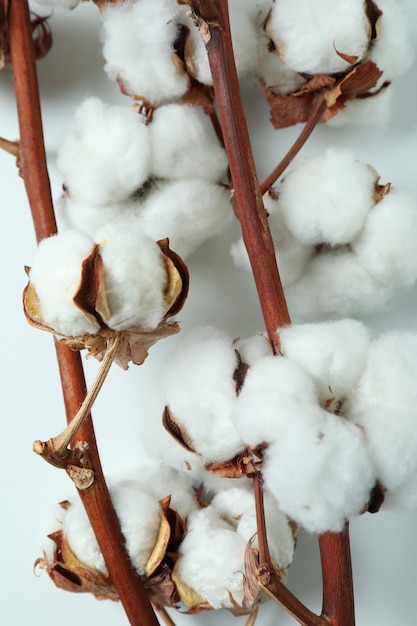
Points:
x=105 y=156
x=200 y=392
x=327 y=198
x=138 y=46
x=385 y=406
x=212 y=561
x=386 y=247
x=333 y=353
x=135 y=276
x=56 y=275
x=309 y=34
x=183 y=147
x=187 y=211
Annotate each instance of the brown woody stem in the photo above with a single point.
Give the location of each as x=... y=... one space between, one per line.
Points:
x=213 y=20
x=317 y=110
x=338 y=598
x=96 y=498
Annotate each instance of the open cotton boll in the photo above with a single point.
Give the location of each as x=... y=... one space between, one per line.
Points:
x=326 y=198
x=212 y=559
x=135 y=276
x=183 y=147
x=56 y=275
x=139 y=515
x=105 y=157
x=200 y=392
x=387 y=245
x=333 y=353
x=385 y=405
x=138 y=47
x=335 y=284
x=187 y=211
x=274 y=387
x=308 y=34
x=319 y=471
x=391 y=50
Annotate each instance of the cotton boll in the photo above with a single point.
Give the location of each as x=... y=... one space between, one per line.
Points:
x=183 y=147
x=386 y=247
x=326 y=198
x=186 y=211
x=333 y=353
x=138 y=47
x=391 y=50
x=385 y=406
x=105 y=156
x=335 y=284
x=200 y=392
x=212 y=561
x=276 y=389
x=308 y=35
x=56 y=275
x=135 y=276
x=139 y=516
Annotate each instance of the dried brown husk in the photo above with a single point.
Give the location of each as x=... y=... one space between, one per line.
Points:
x=91 y=299
x=70 y=574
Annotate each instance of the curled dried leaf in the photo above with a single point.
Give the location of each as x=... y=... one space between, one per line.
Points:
x=70 y=574
x=177 y=430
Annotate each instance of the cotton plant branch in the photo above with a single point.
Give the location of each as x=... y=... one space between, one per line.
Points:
x=213 y=23
x=96 y=497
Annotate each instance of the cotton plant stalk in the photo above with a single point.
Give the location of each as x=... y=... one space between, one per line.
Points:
x=213 y=23
x=32 y=160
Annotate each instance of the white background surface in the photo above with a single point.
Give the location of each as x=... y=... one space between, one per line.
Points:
x=384 y=546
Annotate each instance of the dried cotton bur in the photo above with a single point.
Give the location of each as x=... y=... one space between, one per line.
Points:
x=344 y=243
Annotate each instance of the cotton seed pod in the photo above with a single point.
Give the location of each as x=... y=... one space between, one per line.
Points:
x=109 y=292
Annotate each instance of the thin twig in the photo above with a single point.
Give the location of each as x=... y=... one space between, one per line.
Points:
x=163 y=614
x=317 y=110
x=56 y=447
x=11 y=147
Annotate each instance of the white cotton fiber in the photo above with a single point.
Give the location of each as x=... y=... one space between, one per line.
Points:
x=333 y=353
x=391 y=50
x=212 y=561
x=385 y=405
x=105 y=156
x=138 y=46
x=183 y=146
x=187 y=211
x=87 y=218
x=387 y=246
x=273 y=386
x=56 y=275
x=319 y=470
x=326 y=198
x=335 y=284
x=308 y=34
x=253 y=348
x=135 y=276
x=139 y=516
x=200 y=392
